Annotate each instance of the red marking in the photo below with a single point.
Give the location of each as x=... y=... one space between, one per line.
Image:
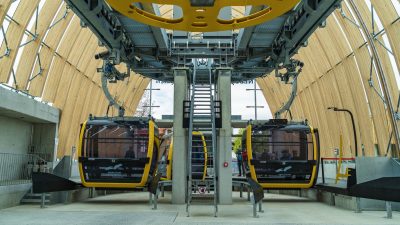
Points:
x=202 y=190
x=225 y=164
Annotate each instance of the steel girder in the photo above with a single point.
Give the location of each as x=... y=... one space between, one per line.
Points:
x=251 y=53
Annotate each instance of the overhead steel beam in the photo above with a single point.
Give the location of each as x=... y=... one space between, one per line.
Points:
x=252 y=53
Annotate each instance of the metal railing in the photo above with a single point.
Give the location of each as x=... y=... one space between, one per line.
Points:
x=330 y=168
x=18 y=168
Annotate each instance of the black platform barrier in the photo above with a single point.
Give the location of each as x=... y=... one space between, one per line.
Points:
x=258 y=196
x=154 y=189
x=47 y=182
x=384 y=188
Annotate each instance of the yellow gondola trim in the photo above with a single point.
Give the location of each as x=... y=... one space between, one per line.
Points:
x=170 y=159
x=83 y=128
x=281 y=185
x=120 y=185
x=249 y=150
x=169 y=165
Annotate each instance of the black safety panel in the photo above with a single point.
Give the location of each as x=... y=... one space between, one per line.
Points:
x=283 y=171
x=385 y=188
x=47 y=182
x=113 y=170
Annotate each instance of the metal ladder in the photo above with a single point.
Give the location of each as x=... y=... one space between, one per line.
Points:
x=202 y=189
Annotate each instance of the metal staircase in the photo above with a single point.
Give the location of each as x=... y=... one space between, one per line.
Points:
x=202 y=179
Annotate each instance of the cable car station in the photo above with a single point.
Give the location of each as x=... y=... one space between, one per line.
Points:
x=77 y=145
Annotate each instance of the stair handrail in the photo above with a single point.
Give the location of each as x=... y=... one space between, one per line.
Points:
x=190 y=146
x=214 y=145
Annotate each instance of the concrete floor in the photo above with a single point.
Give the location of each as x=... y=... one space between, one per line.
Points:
x=133 y=208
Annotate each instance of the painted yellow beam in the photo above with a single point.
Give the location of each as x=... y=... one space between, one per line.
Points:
x=202 y=18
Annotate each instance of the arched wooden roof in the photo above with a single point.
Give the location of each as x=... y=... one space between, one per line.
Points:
x=336 y=73
x=68 y=79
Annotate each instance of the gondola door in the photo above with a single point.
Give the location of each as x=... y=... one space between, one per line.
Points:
x=116 y=154
x=282 y=156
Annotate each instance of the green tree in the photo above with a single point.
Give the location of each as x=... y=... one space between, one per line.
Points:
x=237 y=142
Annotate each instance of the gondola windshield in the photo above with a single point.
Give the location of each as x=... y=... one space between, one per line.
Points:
x=279 y=154
x=115 y=152
x=276 y=144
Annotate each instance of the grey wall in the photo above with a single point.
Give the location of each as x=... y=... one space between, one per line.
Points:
x=11 y=195
x=44 y=135
x=15 y=135
x=24 y=123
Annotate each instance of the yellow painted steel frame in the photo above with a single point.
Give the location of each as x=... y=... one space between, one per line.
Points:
x=197 y=133
x=169 y=166
x=204 y=18
x=281 y=185
x=339 y=174
x=146 y=171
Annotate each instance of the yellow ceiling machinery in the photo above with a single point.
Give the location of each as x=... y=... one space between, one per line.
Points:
x=202 y=16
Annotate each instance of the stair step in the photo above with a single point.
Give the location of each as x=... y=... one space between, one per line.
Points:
x=197 y=165
x=203 y=197
x=36 y=195
x=202 y=118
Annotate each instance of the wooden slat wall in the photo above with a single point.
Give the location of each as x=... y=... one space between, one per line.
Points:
x=29 y=54
x=47 y=53
x=4 y=6
x=14 y=36
x=336 y=73
x=69 y=79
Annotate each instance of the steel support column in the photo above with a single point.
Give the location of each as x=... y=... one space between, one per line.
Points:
x=224 y=153
x=179 y=138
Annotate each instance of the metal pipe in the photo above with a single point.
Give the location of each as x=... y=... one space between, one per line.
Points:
x=323 y=171
x=352 y=122
x=381 y=73
x=289 y=103
x=255 y=99
x=109 y=96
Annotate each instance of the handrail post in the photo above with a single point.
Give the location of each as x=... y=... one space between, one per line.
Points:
x=389 y=210
x=42 y=200
x=323 y=171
